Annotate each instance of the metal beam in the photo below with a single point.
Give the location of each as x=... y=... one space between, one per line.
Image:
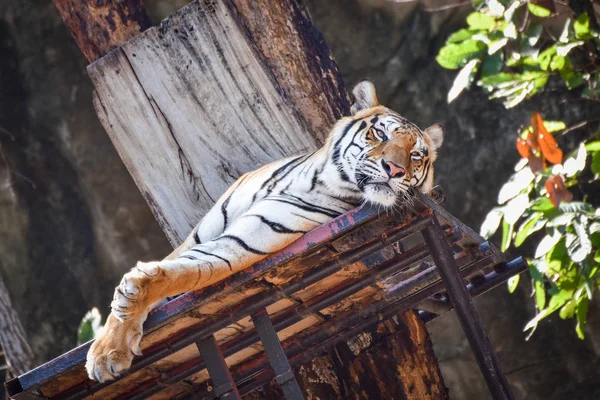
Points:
x=465 y=310
x=284 y=376
x=223 y=383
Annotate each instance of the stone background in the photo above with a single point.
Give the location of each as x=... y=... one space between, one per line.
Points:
x=72 y=221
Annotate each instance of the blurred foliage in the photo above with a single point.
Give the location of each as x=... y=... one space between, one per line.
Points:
x=512 y=50
x=89 y=327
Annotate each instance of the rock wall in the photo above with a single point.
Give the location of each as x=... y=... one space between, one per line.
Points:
x=72 y=221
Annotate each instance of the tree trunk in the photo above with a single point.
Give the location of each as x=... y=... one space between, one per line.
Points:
x=98 y=26
x=219 y=105
x=393 y=360
x=13 y=340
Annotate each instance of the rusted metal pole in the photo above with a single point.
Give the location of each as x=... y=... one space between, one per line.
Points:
x=98 y=26
x=223 y=384
x=284 y=376
x=465 y=310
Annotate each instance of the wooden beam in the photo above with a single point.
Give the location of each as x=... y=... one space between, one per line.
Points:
x=99 y=26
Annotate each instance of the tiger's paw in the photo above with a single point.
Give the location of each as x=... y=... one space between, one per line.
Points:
x=113 y=350
x=131 y=296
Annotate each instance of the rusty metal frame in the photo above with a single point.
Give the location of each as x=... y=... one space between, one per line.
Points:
x=413 y=285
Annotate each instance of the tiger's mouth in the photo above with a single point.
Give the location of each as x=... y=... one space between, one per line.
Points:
x=380 y=193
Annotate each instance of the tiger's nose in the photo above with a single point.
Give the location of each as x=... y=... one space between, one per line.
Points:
x=392 y=169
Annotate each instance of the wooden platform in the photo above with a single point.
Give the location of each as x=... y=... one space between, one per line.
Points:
x=328 y=286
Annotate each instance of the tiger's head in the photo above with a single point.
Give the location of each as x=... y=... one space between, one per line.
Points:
x=382 y=153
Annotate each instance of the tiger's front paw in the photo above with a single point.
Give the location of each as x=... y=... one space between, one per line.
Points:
x=113 y=350
x=131 y=297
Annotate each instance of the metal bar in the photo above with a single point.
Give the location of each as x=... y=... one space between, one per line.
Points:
x=284 y=376
x=315 y=344
x=223 y=383
x=465 y=310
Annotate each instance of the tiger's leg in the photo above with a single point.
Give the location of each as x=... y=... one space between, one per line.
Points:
x=250 y=238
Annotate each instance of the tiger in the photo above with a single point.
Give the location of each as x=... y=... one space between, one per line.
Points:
x=374 y=155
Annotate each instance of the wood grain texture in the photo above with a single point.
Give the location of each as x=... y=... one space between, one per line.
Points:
x=299 y=59
x=98 y=26
x=13 y=341
x=190 y=107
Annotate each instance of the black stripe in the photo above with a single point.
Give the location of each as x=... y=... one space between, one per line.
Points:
x=189 y=258
x=274 y=174
x=306 y=218
x=307 y=208
x=309 y=204
x=197 y=236
x=276 y=227
x=226 y=261
x=242 y=244
x=224 y=210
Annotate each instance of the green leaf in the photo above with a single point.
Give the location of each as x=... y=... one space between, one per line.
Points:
x=492 y=64
x=576 y=162
x=464 y=79
x=491 y=222
x=593 y=146
x=554 y=126
x=547 y=243
x=580 y=247
x=496 y=45
x=582 y=26
x=540 y=295
x=477 y=4
x=542 y=204
x=515 y=185
x=538 y=10
x=564 y=49
x=515 y=208
x=582 y=310
x=568 y=310
x=513 y=282
x=534 y=32
x=526 y=229
x=461 y=35
x=89 y=326
x=576 y=207
x=557 y=63
x=596 y=163
x=555 y=259
x=545 y=57
x=455 y=55
x=479 y=20
x=507 y=230
x=510 y=31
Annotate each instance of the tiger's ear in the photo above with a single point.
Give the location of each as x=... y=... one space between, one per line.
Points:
x=436 y=134
x=365 y=97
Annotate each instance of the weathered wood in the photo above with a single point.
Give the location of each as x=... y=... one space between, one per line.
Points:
x=98 y=26
x=13 y=340
x=298 y=58
x=190 y=109
x=393 y=361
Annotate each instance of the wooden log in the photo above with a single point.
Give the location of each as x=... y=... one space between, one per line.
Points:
x=99 y=26
x=394 y=360
x=219 y=89
x=13 y=340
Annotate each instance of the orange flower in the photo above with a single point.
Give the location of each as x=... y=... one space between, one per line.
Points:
x=555 y=186
x=539 y=145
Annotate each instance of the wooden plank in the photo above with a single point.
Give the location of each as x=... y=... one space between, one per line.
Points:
x=190 y=108
x=101 y=25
